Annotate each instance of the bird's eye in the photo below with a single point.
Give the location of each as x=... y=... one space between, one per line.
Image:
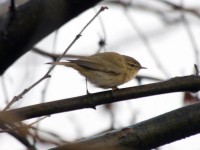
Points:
x=132 y=65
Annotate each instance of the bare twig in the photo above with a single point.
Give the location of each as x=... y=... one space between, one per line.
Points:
x=38 y=120
x=180 y=7
x=48 y=139
x=147 y=45
x=45 y=88
x=4 y=89
x=102 y=41
x=43 y=93
x=101 y=9
x=16 y=98
x=76 y=38
x=196 y=69
x=191 y=38
x=15 y=128
x=18 y=136
x=144 y=6
x=24 y=128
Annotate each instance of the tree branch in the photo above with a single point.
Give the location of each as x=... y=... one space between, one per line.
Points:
x=178 y=84
x=33 y=21
x=149 y=134
x=47 y=74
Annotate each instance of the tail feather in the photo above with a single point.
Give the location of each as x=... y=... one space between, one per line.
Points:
x=80 y=69
x=58 y=63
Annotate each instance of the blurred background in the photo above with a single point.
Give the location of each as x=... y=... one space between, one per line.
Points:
x=162 y=35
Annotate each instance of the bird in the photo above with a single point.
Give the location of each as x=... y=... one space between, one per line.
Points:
x=105 y=70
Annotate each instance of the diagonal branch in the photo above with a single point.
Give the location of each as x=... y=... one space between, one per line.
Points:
x=47 y=74
x=32 y=22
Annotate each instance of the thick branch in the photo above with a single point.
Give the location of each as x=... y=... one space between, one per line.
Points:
x=33 y=21
x=178 y=84
x=149 y=134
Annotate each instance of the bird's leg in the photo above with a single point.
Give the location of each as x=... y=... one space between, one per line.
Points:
x=86 y=80
x=114 y=88
x=91 y=103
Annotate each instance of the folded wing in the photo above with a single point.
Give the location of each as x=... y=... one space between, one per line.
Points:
x=107 y=62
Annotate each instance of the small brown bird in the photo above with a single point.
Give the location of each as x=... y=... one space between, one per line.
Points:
x=105 y=70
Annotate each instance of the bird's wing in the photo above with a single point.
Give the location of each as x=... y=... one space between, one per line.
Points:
x=102 y=62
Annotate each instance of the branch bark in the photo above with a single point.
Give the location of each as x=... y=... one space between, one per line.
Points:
x=178 y=84
x=149 y=134
x=31 y=22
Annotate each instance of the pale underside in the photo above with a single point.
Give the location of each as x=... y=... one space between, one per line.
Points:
x=107 y=73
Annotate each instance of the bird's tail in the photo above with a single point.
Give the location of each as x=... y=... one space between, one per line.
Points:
x=59 y=63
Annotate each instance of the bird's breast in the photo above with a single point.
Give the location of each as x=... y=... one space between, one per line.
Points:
x=130 y=75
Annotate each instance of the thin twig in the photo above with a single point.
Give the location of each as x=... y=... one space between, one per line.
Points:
x=48 y=138
x=16 y=127
x=38 y=120
x=45 y=88
x=180 y=7
x=4 y=89
x=157 y=10
x=101 y=9
x=147 y=45
x=16 y=98
x=196 y=70
x=43 y=94
x=102 y=41
x=191 y=38
x=76 y=38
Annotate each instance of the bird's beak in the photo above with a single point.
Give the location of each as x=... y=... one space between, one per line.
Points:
x=143 y=68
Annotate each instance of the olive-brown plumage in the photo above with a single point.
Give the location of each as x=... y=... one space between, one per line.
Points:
x=105 y=70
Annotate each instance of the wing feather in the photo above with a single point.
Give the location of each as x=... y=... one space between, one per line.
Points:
x=107 y=62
